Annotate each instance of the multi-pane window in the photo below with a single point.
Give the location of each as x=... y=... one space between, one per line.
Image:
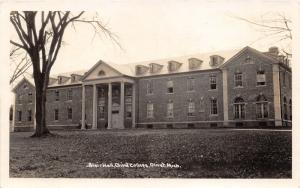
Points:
x=128 y=111
x=29 y=115
x=70 y=113
x=239 y=108
x=191 y=84
x=285 y=108
x=55 y=114
x=201 y=105
x=56 y=95
x=283 y=78
x=238 y=79
x=213 y=81
x=150 y=110
x=261 y=78
x=150 y=87
x=213 y=106
x=19 y=98
x=29 y=97
x=191 y=108
x=19 y=115
x=128 y=91
x=262 y=110
x=170 y=112
x=248 y=60
x=170 y=86
x=70 y=94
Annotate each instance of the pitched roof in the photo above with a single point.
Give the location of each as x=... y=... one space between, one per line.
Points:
x=129 y=69
x=68 y=82
x=27 y=78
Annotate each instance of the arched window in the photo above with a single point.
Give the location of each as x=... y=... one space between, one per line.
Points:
x=262 y=108
x=239 y=108
x=284 y=108
x=101 y=73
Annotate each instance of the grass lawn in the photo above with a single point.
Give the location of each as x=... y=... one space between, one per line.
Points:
x=200 y=153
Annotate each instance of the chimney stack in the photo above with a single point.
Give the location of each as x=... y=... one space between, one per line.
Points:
x=274 y=51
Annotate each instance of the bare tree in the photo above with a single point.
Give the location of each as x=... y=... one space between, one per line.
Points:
x=20 y=62
x=273 y=25
x=40 y=36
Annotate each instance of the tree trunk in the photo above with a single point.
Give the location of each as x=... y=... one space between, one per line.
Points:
x=40 y=114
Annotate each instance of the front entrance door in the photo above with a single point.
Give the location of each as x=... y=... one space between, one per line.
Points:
x=116 y=117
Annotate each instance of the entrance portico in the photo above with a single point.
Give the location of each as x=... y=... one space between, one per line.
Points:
x=113 y=103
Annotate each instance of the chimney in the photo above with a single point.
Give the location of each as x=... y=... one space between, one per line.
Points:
x=274 y=51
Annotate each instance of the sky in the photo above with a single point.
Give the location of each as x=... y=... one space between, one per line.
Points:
x=149 y=30
x=161 y=29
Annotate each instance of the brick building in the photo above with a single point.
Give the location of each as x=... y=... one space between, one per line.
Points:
x=230 y=88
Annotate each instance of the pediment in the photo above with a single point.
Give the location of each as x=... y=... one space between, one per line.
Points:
x=101 y=70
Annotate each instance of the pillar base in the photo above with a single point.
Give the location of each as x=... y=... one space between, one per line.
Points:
x=278 y=123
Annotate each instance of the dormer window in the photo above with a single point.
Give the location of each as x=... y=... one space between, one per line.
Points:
x=140 y=69
x=154 y=68
x=59 y=80
x=216 y=60
x=73 y=78
x=62 y=79
x=194 y=63
x=101 y=73
x=173 y=66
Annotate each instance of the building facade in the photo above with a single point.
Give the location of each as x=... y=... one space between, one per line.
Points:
x=222 y=89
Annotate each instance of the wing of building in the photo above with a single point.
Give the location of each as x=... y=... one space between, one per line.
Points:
x=232 y=88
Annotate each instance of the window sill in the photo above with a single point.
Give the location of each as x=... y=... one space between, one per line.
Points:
x=212 y=90
x=149 y=94
x=261 y=85
x=169 y=93
x=191 y=91
x=265 y=118
x=239 y=87
x=213 y=115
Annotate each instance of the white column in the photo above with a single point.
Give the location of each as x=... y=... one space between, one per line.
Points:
x=83 y=108
x=109 y=106
x=133 y=105
x=122 y=103
x=225 y=97
x=276 y=89
x=94 y=126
